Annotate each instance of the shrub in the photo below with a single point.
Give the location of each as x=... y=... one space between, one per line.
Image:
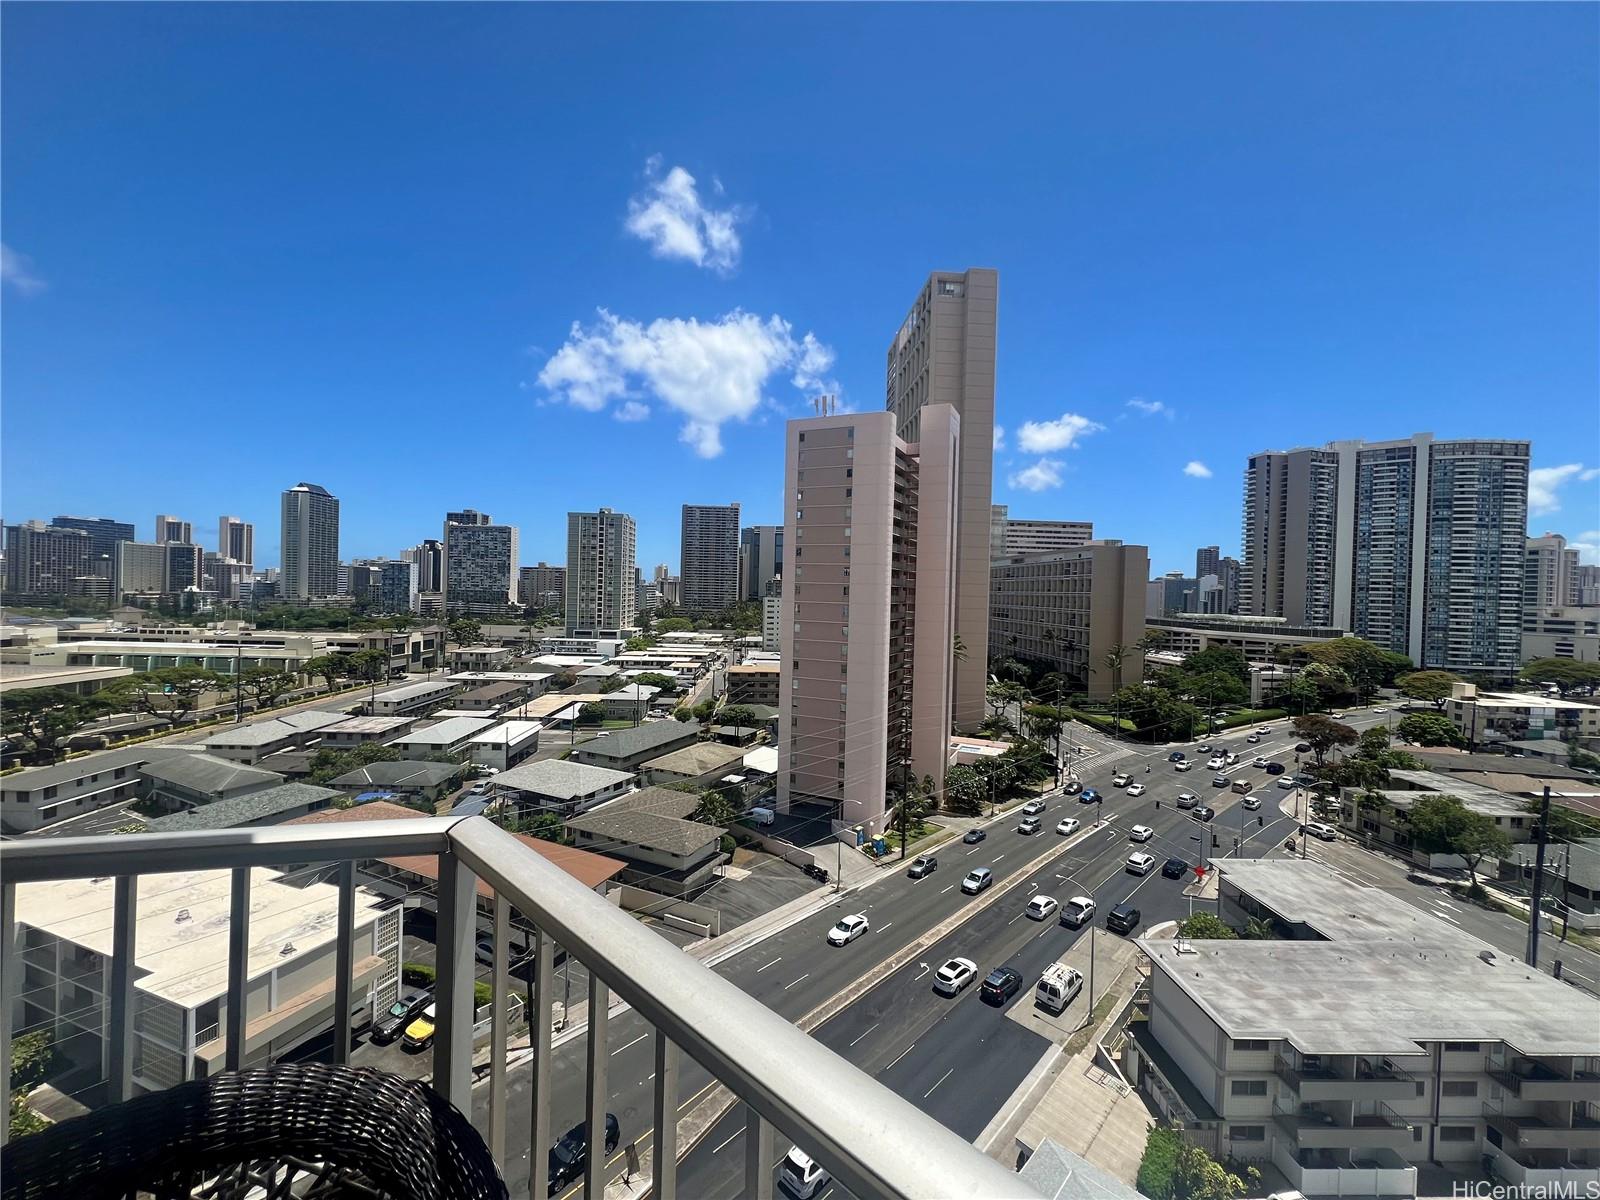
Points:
x=727 y=845
x=1159 y=1167
x=418 y=974
x=482 y=993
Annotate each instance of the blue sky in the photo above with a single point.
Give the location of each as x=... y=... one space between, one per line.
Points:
x=535 y=258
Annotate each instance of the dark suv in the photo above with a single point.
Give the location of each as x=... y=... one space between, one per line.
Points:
x=570 y=1155
x=400 y=1014
x=1002 y=984
x=1124 y=918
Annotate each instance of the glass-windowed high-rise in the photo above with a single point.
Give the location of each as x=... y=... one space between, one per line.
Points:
x=310 y=545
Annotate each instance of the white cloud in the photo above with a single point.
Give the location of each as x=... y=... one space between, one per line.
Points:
x=1150 y=408
x=711 y=372
x=1044 y=474
x=1587 y=544
x=17 y=270
x=1197 y=469
x=670 y=216
x=1042 y=437
x=1544 y=484
x=999 y=438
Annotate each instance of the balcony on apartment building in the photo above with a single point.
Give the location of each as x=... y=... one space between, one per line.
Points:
x=874 y=1143
x=1345 y=1077
x=1531 y=1079
x=1335 y=1126
x=1556 y=1126
x=1377 y=1172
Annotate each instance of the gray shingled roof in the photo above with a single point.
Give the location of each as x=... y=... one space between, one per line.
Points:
x=697 y=759
x=404 y=773
x=663 y=801
x=208 y=773
x=244 y=810
x=89 y=764
x=670 y=835
x=560 y=780
x=262 y=733
x=625 y=743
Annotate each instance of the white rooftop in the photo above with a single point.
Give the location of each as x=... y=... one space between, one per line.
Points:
x=446 y=733
x=509 y=732
x=409 y=691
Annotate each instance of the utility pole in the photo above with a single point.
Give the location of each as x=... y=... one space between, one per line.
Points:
x=1535 y=901
x=1088 y=1016
x=238 y=676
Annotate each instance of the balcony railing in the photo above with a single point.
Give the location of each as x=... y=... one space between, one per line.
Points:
x=873 y=1142
x=1533 y=1080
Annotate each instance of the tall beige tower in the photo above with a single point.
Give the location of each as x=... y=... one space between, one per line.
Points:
x=944 y=353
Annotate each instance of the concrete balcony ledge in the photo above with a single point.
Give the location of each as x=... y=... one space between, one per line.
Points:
x=1380 y=1172
x=1532 y=1133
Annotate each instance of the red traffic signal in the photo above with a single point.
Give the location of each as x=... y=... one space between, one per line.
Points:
x=1199 y=873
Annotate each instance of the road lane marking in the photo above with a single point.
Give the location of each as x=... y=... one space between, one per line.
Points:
x=723 y=1143
x=868 y=1030
x=998 y=857
x=942 y=1078
x=903 y=1053
x=1013 y=919
x=802 y=979
x=885 y=928
x=763 y=967
x=920 y=973
x=635 y=1042
x=942 y=891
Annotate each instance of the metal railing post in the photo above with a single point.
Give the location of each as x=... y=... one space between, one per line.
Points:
x=344 y=964
x=238 y=966
x=544 y=986
x=124 y=920
x=757 y=1156
x=10 y=973
x=595 y=1095
x=664 y=1165
x=497 y=1033
x=458 y=922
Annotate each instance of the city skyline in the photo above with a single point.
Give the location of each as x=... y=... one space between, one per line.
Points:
x=1348 y=309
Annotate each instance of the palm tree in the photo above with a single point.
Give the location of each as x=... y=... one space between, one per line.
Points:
x=958 y=648
x=1113 y=661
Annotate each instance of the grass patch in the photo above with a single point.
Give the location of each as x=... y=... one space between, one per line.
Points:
x=1102 y=1010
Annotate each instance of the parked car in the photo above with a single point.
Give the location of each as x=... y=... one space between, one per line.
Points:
x=1000 y=985
x=1067 y=825
x=570 y=1155
x=1136 y=789
x=1318 y=830
x=1028 y=825
x=1141 y=833
x=1121 y=779
x=1174 y=868
x=1302 y=748
x=1176 y=756
x=974 y=836
x=1187 y=799
x=1274 y=768
x=1041 y=907
x=802 y=1176
x=1076 y=911
x=1139 y=863
x=977 y=879
x=923 y=864
x=420 y=1032
x=1124 y=918
x=1057 y=987
x=1203 y=812
x=954 y=975
x=400 y=1014
x=848 y=929
x=1033 y=808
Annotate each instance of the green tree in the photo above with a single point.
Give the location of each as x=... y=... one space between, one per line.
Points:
x=614 y=683
x=737 y=714
x=638 y=643
x=1567 y=674
x=591 y=713
x=965 y=791
x=1323 y=734
x=1566 y=824
x=958 y=648
x=1043 y=722
x=1443 y=825
x=328 y=764
x=1113 y=660
x=368 y=665
x=1205 y=925
x=674 y=625
x=996 y=726
x=1429 y=729
x=464 y=631
x=329 y=666
x=34 y=720
x=1432 y=686
x=1219 y=659
x=656 y=679
x=1011 y=670
x=1200 y=1177
x=169 y=694
x=715 y=808
x=1298 y=693
x=1373 y=742
x=1001 y=695
x=265 y=684
x=1156 y=712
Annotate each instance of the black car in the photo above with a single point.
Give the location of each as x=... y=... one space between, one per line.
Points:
x=400 y=1014
x=570 y=1155
x=1274 y=768
x=1176 y=756
x=1124 y=918
x=1303 y=748
x=923 y=864
x=974 y=836
x=1072 y=787
x=1002 y=984
x=1203 y=812
x=1174 y=868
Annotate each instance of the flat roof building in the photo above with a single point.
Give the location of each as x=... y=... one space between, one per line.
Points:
x=443 y=737
x=505 y=745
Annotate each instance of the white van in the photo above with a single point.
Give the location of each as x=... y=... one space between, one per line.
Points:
x=762 y=816
x=1057 y=986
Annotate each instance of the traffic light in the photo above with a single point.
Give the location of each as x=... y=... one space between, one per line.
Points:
x=1261 y=822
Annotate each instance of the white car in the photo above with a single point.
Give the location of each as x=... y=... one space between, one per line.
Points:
x=1259 y=760
x=954 y=976
x=1067 y=825
x=1326 y=833
x=1250 y=803
x=1121 y=779
x=1140 y=863
x=1265 y=729
x=848 y=930
x=1141 y=833
x=1253 y=738
x=1033 y=808
x=1231 y=758
x=1077 y=910
x=1184 y=765
x=802 y=1177
x=1380 y=710
x=1136 y=789
x=1216 y=763
x=1041 y=907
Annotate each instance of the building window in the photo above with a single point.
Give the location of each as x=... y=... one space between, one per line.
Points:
x=1458 y=1087
x=1458 y=1133
x=1247 y=1133
x=1248 y=1087
x=1461 y=1047
x=1251 y=1044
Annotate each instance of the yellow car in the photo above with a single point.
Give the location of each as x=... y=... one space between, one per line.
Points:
x=420 y=1032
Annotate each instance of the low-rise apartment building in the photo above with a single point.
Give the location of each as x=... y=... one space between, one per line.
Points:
x=754 y=683
x=412 y=699
x=182 y=781
x=292 y=731
x=554 y=785
x=1257 y=638
x=505 y=745
x=450 y=736
x=702 y=765
x=630 y=749
x=358 y=731
x=1491 y=718
x=489 y=697
x=1365 y=1040
x=421 y=784
x=480 y=658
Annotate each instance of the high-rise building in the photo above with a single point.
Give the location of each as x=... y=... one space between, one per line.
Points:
x=1413 y=544
x=397 y=586
x=772 y=616
x=1068 y=609
x=868 y=609
x=1042 y=537
x=140 y=569
x=43 y=560
x=480 y=563
x=185 y=567
x=542 y=586
x=760 y=559
x=1586 y=586
x=236 y=539
x=944 y=353
x=710 y=558
x=600 y=599
x=1205 y=561
x=172 y=529
x=429 y=557
x=999 y=514
x=227 y=577
x=104 y=533
x=1228 y=574
x=310 y=543
x=1551 y=574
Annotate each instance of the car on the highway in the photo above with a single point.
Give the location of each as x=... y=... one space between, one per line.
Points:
x=1217 y=763
x=1028 y=825
x=1124 y=918
x=1380 y=710
x=420 y=1032
x=974 y=836
x=1185 y=765
x=570 y=1155
x=1076 y=911
x=1203 y=812
x=1253 y=738
x=1136 y=789
x=848 y=929
x=1259 y=761
x=1176 y=756
x=1302 y=748
x=1187 y=799
x=1067 y=825
x=1033 y=808
x=1000 y=985
x=1139 y=863
x=400 y=1014
x=1264 y=729
x=1317 y=829
x=1203 y=748
x=1041 y=907
x=1072 y=787
x=954 y=975
x=1274 y=768
x=1057 y=987
x=1240 y=787
x=802 y=1176
x=1287 y=783
x=923 y=864
x=977 y=879
x=1250 y=803
x=1141 y=833
x=1230 y=758
x=1220 y=781
x=1174 y=868
x=1090 y=796
x=1121 y=779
